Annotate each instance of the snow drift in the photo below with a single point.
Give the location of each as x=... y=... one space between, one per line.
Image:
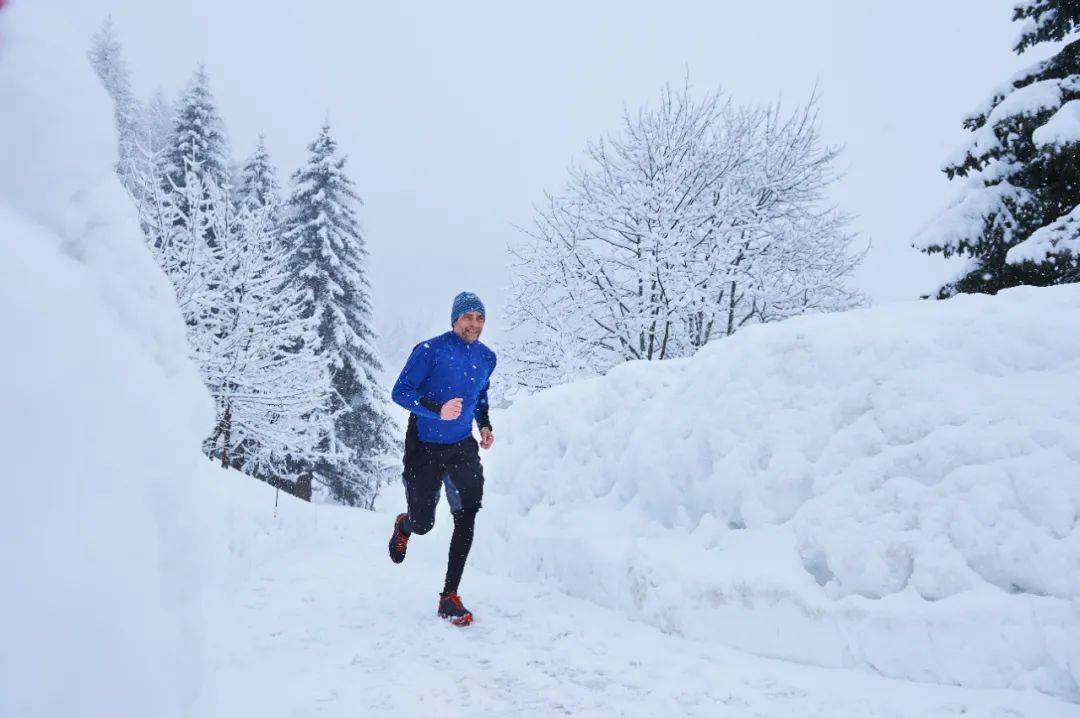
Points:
x=895 y=488
x=101 y=544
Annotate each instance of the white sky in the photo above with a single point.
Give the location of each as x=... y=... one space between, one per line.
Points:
x=458 y=116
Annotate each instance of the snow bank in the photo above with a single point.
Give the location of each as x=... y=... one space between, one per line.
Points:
x=102 y=546
x=895 y=488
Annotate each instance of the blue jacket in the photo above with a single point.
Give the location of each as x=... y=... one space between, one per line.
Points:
x=440 y=369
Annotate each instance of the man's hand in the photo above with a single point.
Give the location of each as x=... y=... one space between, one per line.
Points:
x=450 y=410
x=486 y=438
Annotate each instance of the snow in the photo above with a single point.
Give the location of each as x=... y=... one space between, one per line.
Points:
x=983 y=142
x=1030 y=100
x=963 y=221
x=1040 y=15
x=1005 y=88
x=101 y=548
x=1027 y=101
x=1027 y=28
x=1062 y=128
x=1062 y=234
x=891 y=489
x=322 y=624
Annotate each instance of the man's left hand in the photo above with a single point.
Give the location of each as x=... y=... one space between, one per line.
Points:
x=486 y=438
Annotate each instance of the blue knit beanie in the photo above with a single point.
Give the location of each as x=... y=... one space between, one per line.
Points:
x=466 y=302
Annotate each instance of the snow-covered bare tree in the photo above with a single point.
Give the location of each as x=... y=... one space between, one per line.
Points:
x=1017 y=219
x=270 y=385
x=698 y=218
x=329 y=259
x=177 y=223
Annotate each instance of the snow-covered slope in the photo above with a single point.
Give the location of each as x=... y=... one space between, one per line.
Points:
x=895 y=488
x=102 y=549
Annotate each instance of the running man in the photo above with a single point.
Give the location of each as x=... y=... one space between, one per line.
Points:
x=444 y=385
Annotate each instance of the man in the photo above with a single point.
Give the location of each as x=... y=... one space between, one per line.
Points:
x=444 y=385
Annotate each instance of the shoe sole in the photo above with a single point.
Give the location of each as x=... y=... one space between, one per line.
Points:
x=391 y=545
x=462 y=621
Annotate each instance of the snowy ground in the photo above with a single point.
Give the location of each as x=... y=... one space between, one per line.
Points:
x=319 y=623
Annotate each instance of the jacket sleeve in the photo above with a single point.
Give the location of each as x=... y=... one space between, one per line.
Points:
x=483 y=418
x=406 y=391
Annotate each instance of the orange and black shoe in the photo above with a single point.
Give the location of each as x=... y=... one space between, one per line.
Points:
x=451 y=609
x=399 y=541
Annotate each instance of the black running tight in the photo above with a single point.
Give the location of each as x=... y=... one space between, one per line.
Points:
x=460 y=543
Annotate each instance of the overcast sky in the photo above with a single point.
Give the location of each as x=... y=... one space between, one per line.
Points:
x=458 y=116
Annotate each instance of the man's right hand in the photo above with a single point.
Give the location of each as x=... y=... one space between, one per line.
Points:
x=450 y=410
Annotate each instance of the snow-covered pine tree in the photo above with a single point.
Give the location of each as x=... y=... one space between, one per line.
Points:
x=106 y=57
x=157 y=123
x=329 y=261
x=199 y=192
x=1018 y=218
x=258 y=186
x=198 y=144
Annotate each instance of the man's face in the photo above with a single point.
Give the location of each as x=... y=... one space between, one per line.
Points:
x=469 y=325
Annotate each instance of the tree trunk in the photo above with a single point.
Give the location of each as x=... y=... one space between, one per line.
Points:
x=731 y=311
x=226 y=434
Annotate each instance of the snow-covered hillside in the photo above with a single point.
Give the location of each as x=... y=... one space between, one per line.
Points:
x=896 y=489
x=102 y=549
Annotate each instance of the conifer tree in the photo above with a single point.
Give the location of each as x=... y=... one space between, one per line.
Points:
x=106 y=57
x=198 y=144
x=1018 y=220
x=258 y=185
x=156 y=124
x=329 y=261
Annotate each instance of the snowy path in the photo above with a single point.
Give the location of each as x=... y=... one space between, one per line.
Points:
x=329 y=627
